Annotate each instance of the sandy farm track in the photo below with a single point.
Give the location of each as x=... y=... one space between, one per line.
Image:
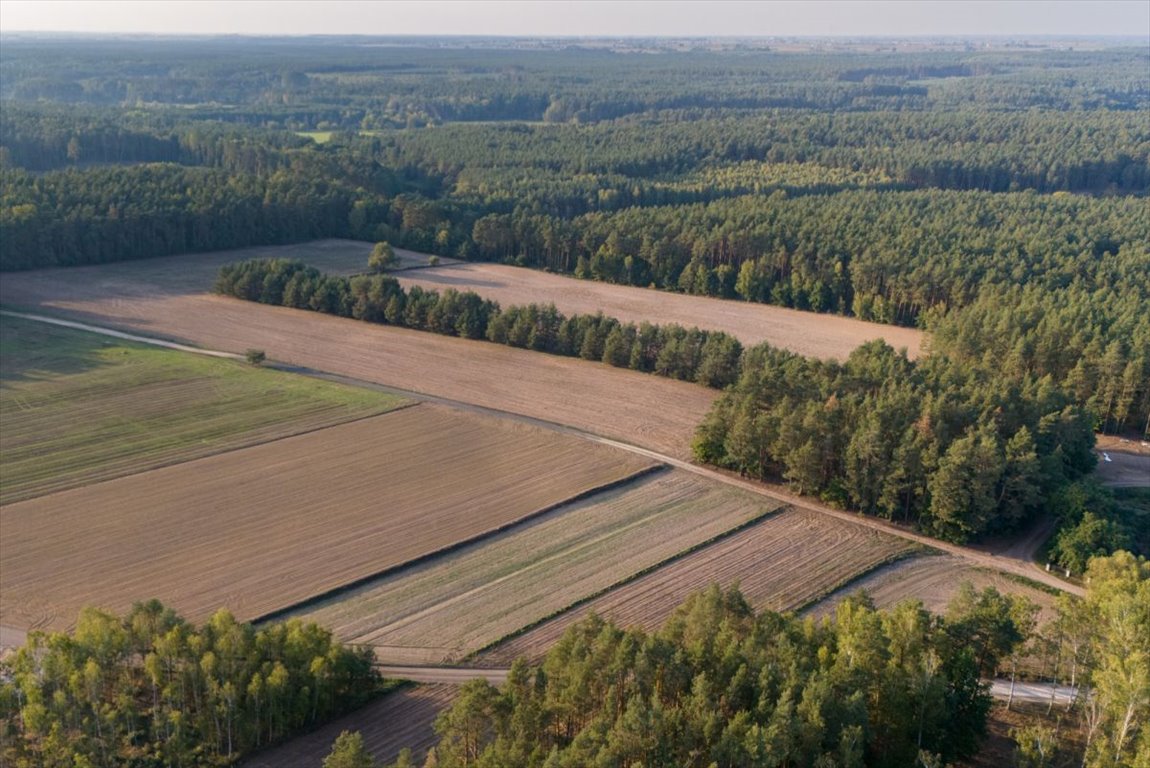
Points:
x=807 y=333
x=287 y=520
x=158 y=298
x=781 y=563
x=398 y=720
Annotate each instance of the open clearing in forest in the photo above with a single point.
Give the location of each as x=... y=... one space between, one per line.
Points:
x=160 y=301
x=446 y=608
x=934 y=580
x=780 y=563
x=263 y=528
x=400 y=719
x=807 y=333
x=77 y=408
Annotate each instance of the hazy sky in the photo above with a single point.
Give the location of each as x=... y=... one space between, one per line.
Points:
x=587 y=17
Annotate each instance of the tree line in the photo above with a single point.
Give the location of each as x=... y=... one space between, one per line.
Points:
x=959 y=450
x=151 y=689
x=721 y=686
x=710 y=358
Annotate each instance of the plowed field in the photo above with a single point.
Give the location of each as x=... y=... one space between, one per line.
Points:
x=807 y=333
x=653 y=412
x=77 y=408
x=933 y=580
x=451 y=606
x=262 y=528
x=781 y=563
x=401 y=719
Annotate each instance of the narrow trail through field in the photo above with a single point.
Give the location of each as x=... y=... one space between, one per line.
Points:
x=999 y=688
x=1004 y=562
x=120 y=334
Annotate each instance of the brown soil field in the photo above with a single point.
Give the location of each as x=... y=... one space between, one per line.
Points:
x=1122 y=444
x=444 y=609
x=400 y=719
x=934 y=580
x=807 y=333
x=781 y=563
x=160 y=300
x=260 y=529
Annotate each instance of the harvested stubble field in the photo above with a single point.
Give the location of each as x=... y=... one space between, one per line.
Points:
x=780 y=563
x=77 y=408
x=934 y=580
x=263 y=528
x=401 y=719
x=446 y=608
x=807 y=333
x=162 y=301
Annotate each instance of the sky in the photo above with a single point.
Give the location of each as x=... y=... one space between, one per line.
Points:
x=847 y=18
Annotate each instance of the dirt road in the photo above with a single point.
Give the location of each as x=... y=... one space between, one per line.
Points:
x=1002 y=562
x=445 y=675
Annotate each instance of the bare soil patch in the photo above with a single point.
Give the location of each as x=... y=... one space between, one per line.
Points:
x=263 y=528
x=638 y=408
x=1122 y=444
x=780 y=563
x=401 y=719
x=442 y=610
x=807 y=333
x=934 y=580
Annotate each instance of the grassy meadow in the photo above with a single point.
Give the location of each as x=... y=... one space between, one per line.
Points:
x=78 y=408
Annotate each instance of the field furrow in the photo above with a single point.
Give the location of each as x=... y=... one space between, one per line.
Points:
x=266 y=527
x=781 y=563
x=77 y=408
x=398 y=720
x=452 y=606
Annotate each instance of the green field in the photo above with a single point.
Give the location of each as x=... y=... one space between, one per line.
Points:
x=78 y=408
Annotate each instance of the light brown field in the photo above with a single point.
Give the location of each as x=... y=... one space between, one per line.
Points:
x=444 y=609
x=807 y=333
x=934 y=580
x=158 y=298
x=262 y=528
x=400 y=719
x=781 y=563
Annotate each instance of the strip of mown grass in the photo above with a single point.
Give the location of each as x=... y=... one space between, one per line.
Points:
x=78 y=408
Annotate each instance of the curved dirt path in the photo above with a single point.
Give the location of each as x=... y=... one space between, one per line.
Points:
x=1002 y=562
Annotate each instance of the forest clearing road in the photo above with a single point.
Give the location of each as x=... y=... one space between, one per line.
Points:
x=1003 y=563
x=447 y=675
x=999 y=689
x=1040 y=692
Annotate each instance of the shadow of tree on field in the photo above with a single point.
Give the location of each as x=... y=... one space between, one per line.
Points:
x=31 y=350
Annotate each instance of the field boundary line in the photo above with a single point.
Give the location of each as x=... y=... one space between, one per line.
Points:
x=490 y=533
x=120 y=334
x=633 y=577
x=898 y=557
x=411 y=402
x=1005 y=564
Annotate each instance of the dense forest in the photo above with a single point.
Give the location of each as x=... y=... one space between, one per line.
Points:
x=954 y=447
x=996 y=198
x=151 y=689
x=721 y=686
